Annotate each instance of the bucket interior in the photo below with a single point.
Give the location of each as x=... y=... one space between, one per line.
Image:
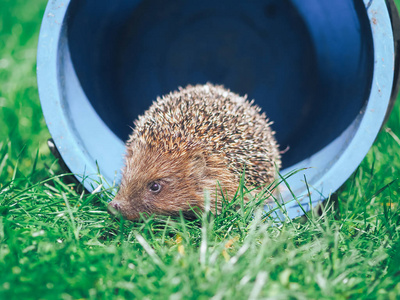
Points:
x=307 y=63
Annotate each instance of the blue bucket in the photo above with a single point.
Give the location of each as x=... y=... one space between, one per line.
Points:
x=324 y=71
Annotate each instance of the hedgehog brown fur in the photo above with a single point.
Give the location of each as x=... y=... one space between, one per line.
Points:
x=191 y=140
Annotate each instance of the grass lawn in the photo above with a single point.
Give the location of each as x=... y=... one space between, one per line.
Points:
x=57 y=243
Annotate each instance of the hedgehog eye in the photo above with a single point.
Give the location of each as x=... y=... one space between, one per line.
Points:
x=154 y=187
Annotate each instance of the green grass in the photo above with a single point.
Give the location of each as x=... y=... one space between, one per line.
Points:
x=57 y=243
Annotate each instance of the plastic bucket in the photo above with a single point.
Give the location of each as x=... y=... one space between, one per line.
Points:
x=322 y=70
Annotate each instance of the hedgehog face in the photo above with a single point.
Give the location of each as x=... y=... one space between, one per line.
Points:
x=161 y=182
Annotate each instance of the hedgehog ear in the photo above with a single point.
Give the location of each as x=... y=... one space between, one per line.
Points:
x=199 y=163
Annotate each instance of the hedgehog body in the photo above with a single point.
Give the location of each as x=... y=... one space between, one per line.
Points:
x=200 y=137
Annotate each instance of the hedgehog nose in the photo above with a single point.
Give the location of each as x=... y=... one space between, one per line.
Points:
x=113 y=208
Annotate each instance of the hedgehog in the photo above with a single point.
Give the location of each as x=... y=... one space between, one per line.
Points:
x=198 y=138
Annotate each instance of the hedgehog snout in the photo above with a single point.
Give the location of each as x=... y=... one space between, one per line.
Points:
x=114 y=207
x=119 y=208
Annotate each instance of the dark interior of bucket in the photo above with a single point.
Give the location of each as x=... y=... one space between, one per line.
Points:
x=307 y=63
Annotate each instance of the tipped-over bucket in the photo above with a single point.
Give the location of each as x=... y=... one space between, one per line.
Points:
x=322 y=70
